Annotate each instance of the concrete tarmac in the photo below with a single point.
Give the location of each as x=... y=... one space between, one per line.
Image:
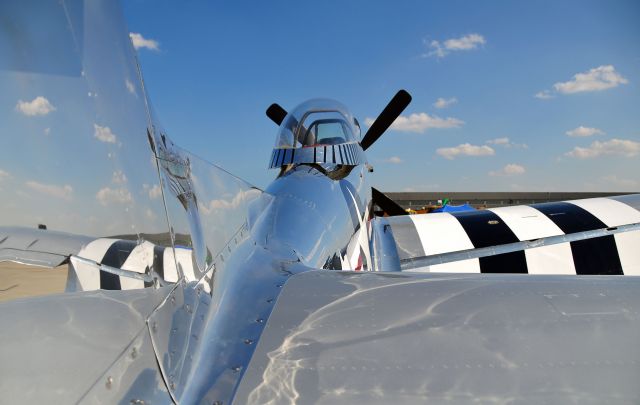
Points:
x=20 y=281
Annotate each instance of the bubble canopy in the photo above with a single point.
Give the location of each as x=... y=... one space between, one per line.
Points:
x=322 y=131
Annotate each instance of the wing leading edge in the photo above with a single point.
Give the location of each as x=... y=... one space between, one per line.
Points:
x=592 y=236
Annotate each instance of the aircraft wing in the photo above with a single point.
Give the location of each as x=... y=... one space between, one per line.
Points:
x=342 y=337
x=39 y=247
x=81 y=347
x=590 y=236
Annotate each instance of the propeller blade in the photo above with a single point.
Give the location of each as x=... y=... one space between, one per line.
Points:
x=276 y=113
x=390 y=207
x=392 y=111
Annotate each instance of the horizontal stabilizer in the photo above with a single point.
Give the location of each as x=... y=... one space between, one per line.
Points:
x=439 y=338
x=81 y=347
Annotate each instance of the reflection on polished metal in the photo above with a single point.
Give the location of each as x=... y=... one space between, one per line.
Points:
x=187 y=220
x=78 y=341
x=427 y=338
x=186 y=284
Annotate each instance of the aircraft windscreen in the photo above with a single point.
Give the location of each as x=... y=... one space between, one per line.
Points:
x=317 y=121
x=325 y=131
x=318 y=131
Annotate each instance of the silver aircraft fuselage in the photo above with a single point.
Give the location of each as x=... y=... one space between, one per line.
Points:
x=317 y=216
x=311 y=221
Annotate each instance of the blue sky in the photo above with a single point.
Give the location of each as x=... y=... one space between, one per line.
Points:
x=211 y=70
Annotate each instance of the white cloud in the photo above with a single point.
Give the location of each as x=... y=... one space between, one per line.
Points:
x=130 y=87
x=511 y=169
x=141 y=42
x=109 y=195
x=37 y=106
x=596 y=79
x=47 y=131
x=444 y=103
x=505 y=142
x=104 y=134
x=621 y=182
x=64 y=192
x=420 y=122
x=4 y=175
x=498 y=141
x=613 y=147
x=544 y=95
x=394 y=159
x=464 y=43
x=118 y=177
x=601 y=78
x=584 y=131
x=153 y=191
x=235 y=201
x=465 y=149
x=150 y=214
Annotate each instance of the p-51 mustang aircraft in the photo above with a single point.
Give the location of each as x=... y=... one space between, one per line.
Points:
x=188 y=285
